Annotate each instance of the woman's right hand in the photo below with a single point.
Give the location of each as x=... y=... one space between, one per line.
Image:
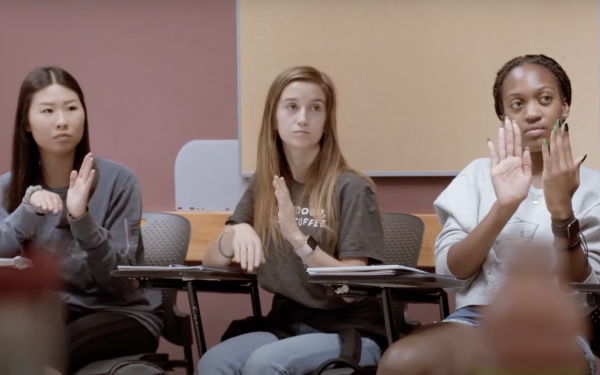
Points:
x=47 y=201
x=247 y=247
x=511 y=167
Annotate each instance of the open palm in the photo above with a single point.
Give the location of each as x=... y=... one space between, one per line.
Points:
x=511 y=167
x=79 y=187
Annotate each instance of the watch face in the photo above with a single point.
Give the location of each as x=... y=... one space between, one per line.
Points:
x=311 y=242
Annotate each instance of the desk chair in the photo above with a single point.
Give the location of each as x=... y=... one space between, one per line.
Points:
x=403 y=241
x=166 y=239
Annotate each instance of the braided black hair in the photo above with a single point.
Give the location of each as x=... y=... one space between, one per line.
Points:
x=542 y=60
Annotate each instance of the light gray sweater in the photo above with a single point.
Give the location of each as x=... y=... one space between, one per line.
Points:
x=469 y=198
x=92 y=246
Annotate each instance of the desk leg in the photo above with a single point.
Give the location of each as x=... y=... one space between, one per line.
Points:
x=196 y=319
x=255 y=300
x=444 y=308
x=388 y=315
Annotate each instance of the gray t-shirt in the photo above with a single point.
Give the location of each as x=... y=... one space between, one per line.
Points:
x=360 y=235
x=90 y=247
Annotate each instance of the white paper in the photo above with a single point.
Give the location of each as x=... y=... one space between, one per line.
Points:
x=159 y=268
x=362 y=269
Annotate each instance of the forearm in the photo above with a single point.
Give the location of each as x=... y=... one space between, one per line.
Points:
x=466 y=257
x=213 y=257
x=15 y=229
x=319 y=258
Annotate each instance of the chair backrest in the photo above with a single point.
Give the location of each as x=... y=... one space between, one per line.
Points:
x=403 y=239
x=166 y=239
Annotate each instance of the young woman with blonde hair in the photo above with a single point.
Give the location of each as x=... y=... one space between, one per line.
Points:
x=304 y=207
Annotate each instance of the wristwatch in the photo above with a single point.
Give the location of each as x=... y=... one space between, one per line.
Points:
x=309 y=246
x=569 y=228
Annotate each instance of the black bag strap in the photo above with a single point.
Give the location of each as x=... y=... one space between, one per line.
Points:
x=351 y=345
x=349 y=355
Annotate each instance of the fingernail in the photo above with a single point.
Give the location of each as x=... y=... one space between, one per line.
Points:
x=557 y=124
x=544 y=143
x=527 y=148
x=567 y=127
x=554 y=129
x=514 y=122
x=488 y=140
x=585 y=157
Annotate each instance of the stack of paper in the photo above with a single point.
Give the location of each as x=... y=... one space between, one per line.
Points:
x=159 y=268
x=16 y=262
x=377 y=270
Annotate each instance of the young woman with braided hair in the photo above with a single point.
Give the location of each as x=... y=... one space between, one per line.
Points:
x=531 y=190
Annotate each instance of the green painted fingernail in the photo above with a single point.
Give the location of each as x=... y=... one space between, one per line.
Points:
x=557 y=123
x=554 y=129
x=544 y=143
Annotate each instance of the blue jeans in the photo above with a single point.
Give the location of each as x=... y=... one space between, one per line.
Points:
x=262 y=353
x=471 y=315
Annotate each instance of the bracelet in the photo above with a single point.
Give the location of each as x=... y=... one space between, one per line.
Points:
x=311 y=258
x=30 y=190
x=219 y=247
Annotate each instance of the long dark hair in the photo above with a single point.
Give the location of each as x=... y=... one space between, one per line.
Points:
x=25 y=165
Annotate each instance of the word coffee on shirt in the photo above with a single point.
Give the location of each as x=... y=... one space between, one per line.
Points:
x=305 y=217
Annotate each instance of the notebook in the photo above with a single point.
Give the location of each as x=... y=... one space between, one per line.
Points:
x=375 y=270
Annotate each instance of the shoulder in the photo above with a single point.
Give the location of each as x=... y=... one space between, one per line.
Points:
x=350 y=184
x=116 y=174
x=4 y=180
x=475 y=175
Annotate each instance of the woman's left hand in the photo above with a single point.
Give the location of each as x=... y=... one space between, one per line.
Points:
x=286 y=215
x=79 y=188
x=560 y=178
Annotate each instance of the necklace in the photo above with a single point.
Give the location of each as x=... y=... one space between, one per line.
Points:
x=535 y=197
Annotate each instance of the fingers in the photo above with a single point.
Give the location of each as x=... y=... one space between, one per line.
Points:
x=509 y=138
x=559 y=152
x=243 y=255
x=251 y=253
x=72 y=179
x=526 y=160
x=568 y=155
x=86 y=167
x=258 y=255
x=553 y=147
x=545 y=154
x=90 y=181
x=493 y=155
x=55 y=204
x=236 y=251
x=518 y=143
x=501 y=144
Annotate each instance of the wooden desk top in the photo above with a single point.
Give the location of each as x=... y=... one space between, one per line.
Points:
x=206 y=227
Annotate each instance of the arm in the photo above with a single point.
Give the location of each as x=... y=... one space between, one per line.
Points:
x=16 y=228
x=212 y=256
x=116 y=241
x=361 y=235
x=238 y=241
x=465 y=258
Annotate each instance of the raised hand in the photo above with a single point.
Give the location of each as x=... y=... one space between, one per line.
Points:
x=79 y=187
x=46 y=201
x=560 y=178
x=511 y=167
x=286 y=215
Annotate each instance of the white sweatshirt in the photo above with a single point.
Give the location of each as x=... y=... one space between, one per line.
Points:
x=469 y=198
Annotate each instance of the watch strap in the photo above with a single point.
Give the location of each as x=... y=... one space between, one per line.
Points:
x=566 y=229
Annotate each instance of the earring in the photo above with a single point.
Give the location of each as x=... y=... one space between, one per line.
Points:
x=565 y=114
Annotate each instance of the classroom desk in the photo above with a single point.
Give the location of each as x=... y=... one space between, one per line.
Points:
x=206 y=227
x=412 y=288
x=408 y=288
x=211 y=279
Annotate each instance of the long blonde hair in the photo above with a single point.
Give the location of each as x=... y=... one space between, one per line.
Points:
x=322 y=175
